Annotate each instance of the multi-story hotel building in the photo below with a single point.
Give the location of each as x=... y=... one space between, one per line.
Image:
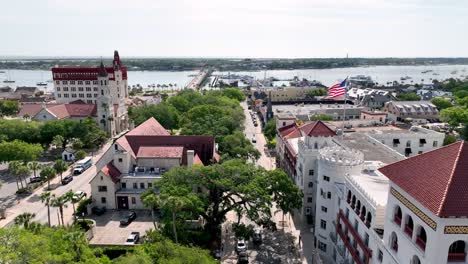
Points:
x=104 y=86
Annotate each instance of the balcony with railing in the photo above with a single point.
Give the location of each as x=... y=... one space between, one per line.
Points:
x=421 y=243
x=145 y=172
x=357 y=239
x=409 y=230
x=397 y=219
x=456 y=257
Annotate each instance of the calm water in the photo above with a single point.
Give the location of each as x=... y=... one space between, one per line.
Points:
x=381 y=74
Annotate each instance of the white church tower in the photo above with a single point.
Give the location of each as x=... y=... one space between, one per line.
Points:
x=104 y=105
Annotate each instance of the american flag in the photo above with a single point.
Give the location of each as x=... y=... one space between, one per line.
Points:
x=338 y=89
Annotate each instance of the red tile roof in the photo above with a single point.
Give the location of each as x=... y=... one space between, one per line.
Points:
x=61 y=111
x=318 y=129
x=151 y=134
x=150 y=127
x=437 y=179
x=314 y=129
x=160 y=152
x=111 y=171
x=290 y=131
x=197 y=160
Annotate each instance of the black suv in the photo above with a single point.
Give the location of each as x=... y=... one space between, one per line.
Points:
x=126 y=220
x=98 y=210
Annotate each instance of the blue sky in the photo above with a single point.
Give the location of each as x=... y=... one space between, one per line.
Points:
x=240 y=28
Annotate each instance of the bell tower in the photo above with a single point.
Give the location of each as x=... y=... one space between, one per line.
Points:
x=105 y=113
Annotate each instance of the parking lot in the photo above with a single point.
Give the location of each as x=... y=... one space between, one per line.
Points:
x=108 y=230
x=277 y=247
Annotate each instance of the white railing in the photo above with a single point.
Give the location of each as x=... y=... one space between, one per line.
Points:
x=363 y=192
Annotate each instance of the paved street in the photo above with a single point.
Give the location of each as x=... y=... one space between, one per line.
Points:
x=33 y=204
x=250 y=130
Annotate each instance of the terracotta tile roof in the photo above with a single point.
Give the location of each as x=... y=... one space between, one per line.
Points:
x=317 y=129
x=81 y=110
x=111 y=171
x=314 y=129
x=437 y=179
x=30 y=109
x=61 y=111
x=160 y=152
x=150 y=127
x=289 y=131
x=197 y=160
x=152 y=134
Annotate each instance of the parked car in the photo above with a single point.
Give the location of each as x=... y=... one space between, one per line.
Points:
x=133 y=238
x=257 y=236
x=241 y=245
x=98 y=210
x=126 y=220
x=254 y=139
x=35 y=179
x=67 y=179
x=79 y=195
x=243 y=257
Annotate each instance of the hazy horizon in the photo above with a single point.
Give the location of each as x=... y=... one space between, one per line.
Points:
x=241 y=29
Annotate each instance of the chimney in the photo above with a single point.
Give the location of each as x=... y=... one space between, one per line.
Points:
x=190 y=155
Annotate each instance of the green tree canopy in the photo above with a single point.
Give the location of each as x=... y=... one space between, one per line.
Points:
x=408 y=97
x=19 y=150
x=441 y=103
x=165 y=113
x=455 y=116
x=46 y=245
x=221 y=188
x=237 y=146
x=270 y=129
x=234 y=93
x=9 y=107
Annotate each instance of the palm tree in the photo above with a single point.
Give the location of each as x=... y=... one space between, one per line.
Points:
x=22 y=172
x=60 y=167
x=77 y=239
x=151 y=200
x=71 y=198
x=48 y=173
x=46 y=199
x=24 y=219
x=13 y=169
x=34 y=166
x=60 y=202
x=174 y=204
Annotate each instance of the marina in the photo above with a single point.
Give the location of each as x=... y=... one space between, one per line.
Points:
x=176 y=80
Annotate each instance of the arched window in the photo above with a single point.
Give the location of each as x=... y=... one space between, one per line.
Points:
x=315 y=145
x=408 y=144
x=363 y=213
x=358 y=207
x=409 y=226
x=353 y=202
x=415 y=260
x=349 y=197
x=394 y=242
x=368 y=219
x=457 y=252
x=421 y=238
x=397 y=215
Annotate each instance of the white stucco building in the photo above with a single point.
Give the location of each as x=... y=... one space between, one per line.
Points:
x=411 y=211
x=141 y=157
x=409 y=142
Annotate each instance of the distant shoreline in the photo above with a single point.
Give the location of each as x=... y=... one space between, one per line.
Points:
x=220 y=64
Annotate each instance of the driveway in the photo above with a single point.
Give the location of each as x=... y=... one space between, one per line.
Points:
x=109 y=232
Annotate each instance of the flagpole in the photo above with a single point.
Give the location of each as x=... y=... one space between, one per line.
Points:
x=344 y=109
